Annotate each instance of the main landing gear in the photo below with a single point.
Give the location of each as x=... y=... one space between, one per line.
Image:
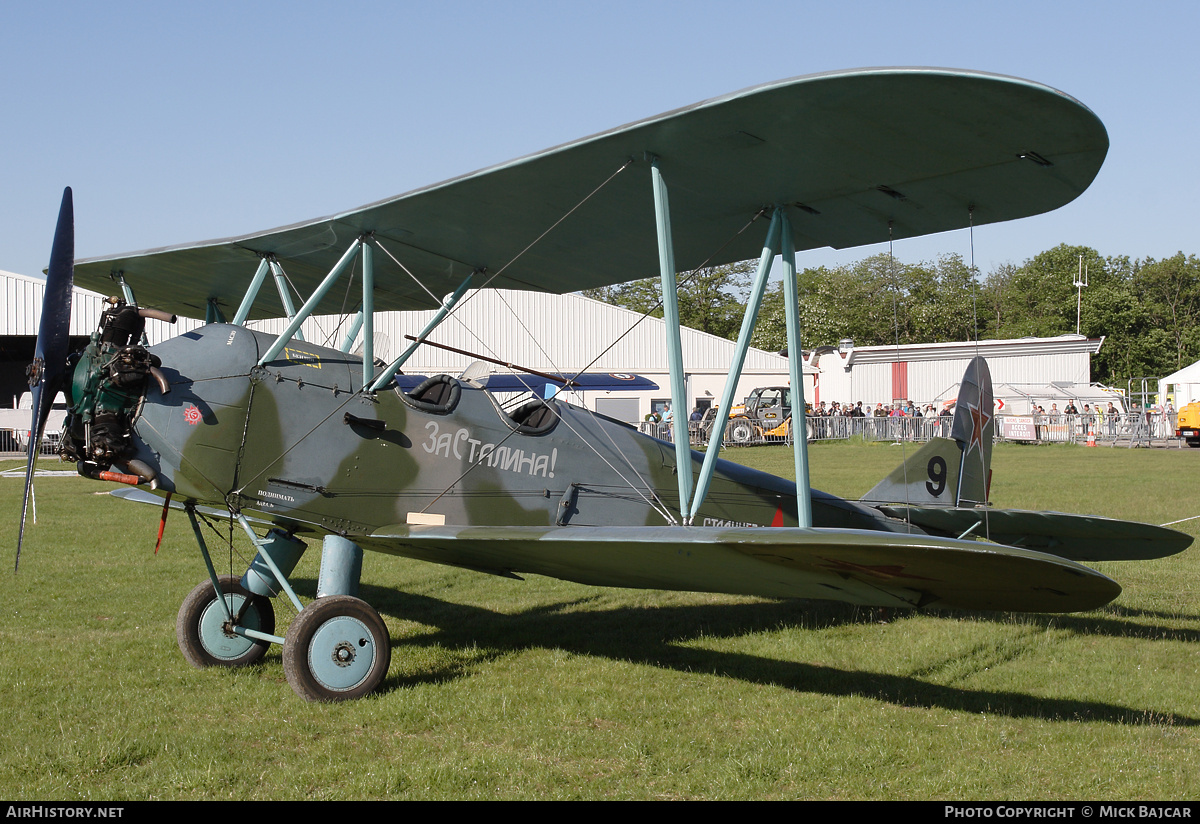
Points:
x=205 y=630
x=337 y=648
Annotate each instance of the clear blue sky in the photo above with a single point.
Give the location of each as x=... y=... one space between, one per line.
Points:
x=178 y=122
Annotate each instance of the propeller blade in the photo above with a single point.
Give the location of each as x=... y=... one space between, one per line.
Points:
x=50 y=354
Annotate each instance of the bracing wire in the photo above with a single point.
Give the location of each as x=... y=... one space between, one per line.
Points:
x=660 y=506
x=657 y=504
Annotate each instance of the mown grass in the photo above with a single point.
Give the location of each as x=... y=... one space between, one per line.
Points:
x=544 y=689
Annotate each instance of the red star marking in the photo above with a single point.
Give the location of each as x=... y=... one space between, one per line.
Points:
x=191 y=414
x=979 y=421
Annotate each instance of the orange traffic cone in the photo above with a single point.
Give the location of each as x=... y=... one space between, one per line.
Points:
x=1091 y=438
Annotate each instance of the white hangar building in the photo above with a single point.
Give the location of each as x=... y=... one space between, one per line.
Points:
x=571 y=333
x=1024 y=371
x=535 y=330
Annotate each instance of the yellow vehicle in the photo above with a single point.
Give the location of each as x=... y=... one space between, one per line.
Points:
x=766 y=415
x=1188 y=424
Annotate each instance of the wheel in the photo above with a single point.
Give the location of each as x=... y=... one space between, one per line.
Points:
x=337 y=649
x=741 y=432
x=1194 y=443
x=202 y=628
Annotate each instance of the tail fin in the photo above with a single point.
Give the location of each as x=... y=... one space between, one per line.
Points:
x=973 y=428
x=954 y=471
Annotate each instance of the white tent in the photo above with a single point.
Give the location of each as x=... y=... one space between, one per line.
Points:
x=1186 y=382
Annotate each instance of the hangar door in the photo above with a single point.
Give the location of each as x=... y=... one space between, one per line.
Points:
x=623 y=409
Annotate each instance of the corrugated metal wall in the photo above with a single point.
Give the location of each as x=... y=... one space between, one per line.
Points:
x=541 y=331
x=532 y=329
x=932 y=380
x=22 y=310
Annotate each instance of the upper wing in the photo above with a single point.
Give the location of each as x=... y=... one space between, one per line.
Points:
x=856 y=566
x=854 y=152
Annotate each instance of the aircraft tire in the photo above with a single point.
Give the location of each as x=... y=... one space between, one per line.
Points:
x=200 y=626
x=337 y=649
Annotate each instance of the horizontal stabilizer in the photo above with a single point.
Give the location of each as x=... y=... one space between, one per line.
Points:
x=1077 y=537
x=856 y=566
x=929 y=476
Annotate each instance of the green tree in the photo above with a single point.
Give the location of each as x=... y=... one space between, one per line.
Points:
x=711 y=300
x=1170 y=290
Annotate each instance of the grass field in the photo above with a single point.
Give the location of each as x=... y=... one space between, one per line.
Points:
x=544 y=689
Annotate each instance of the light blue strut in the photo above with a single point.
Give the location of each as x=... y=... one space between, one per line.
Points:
x=666 y=266
x=791 y=309
x=352 y=333
x=311 y=304
x=285 y=297
x=368 y=315
x=447 y=304
x=243 y=311
x=735 y=367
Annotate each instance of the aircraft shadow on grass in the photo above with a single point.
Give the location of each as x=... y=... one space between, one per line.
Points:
x=653 y=636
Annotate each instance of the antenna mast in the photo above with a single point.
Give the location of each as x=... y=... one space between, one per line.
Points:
x=1080 y=282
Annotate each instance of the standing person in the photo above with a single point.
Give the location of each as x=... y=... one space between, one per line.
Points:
x=1111 y=414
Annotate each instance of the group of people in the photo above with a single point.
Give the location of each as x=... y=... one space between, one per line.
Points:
x=1159 y=421
x=907 y=409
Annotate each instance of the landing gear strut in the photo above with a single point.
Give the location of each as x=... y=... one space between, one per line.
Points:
x=337 y=648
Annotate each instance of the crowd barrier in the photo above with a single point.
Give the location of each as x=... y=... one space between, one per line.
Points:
x=745 y=432
x=11 y=444
x=1131 y=429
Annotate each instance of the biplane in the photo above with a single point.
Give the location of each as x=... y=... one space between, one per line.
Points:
x=299 y=442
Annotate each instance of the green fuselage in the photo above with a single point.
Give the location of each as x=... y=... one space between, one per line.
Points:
x=296 y=443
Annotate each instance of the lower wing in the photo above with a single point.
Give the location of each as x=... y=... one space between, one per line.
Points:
x=856 y=566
